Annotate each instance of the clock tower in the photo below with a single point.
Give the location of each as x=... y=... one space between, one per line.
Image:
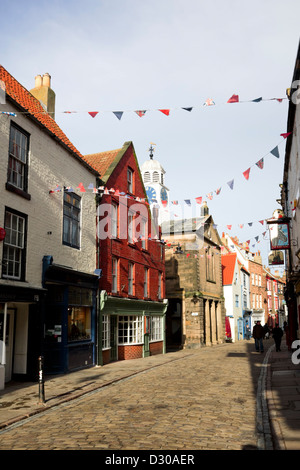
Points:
x=153 y=176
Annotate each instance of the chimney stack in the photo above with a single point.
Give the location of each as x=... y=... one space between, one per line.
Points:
x=43 y=92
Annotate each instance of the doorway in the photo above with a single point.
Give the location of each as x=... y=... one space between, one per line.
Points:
x=9 y=341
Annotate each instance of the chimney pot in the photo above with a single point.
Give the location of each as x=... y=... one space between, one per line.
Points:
x=46 y=80
x=38 y=81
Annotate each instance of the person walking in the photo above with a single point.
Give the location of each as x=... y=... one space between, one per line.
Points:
x=258 y=335
x=277 y=335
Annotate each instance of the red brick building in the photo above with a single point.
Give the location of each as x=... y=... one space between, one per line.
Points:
x=131 y=257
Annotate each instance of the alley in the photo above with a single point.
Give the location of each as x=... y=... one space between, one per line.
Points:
x=200 y=401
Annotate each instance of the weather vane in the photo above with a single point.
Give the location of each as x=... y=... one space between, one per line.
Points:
x=151 y=150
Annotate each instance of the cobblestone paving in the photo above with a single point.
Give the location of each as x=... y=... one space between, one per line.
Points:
x=203 y=401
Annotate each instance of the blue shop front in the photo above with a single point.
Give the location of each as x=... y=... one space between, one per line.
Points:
x=69 y=341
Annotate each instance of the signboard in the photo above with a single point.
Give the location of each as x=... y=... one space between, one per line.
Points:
x=276 y=257
x=279 y=236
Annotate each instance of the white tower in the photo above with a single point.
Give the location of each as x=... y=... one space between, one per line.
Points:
x=153 y=176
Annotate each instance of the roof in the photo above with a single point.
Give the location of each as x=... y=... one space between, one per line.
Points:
x=24 y=100
x=228 y=268
x=105 y=162
x=184 y=225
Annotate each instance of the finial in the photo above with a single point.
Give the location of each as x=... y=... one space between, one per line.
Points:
x=151 y=150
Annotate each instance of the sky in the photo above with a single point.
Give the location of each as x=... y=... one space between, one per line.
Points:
x=128 y=55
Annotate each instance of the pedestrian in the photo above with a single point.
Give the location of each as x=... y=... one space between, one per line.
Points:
x=267 y=331
x=277 y=335
x=258 y=335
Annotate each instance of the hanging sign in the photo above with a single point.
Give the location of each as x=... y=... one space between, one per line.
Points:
x=2 y=234
x=275 y=258
x=279 y=235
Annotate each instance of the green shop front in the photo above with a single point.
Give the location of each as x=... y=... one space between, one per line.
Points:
x=130 y=328
x=69 y=318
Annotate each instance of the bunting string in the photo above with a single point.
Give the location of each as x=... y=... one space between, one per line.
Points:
x=166 y=111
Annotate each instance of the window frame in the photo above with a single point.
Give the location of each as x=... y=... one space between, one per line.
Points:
x=130 y=329
x=21 y=248
x=71 y=220
x=114 y=275
x=130 y=278
x=11 y=185
x=156 y=328
x=146 y=282
x=130 y=180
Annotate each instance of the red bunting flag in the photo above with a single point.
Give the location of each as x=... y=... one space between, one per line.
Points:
x=262 y=222
x=165 y=111
x=246 y=173
x=199 y=200
x=93 y=113
x=233 y=99
x=229 y=227
x=141 y=113
x=285 y=134
x=260 y=163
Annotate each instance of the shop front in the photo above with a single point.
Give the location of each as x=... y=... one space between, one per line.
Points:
x=130 y=329
x=70 y=319
x=20 y=332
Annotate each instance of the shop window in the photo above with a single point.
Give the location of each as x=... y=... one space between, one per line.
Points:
x=130 y=329
x=156 y=328
x=79 y=324
x=106 y=332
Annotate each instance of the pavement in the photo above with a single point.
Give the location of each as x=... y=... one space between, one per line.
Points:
x=278 y=396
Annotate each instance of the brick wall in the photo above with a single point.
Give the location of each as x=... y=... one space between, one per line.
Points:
x=130 y=352
x=152 y=257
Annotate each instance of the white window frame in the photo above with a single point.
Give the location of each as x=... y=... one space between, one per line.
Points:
x=130 y=226
x=114 y=274
x=146 y=282
x=106 y=332
x=159 y=292
x=14 y=245
x=130 y=329
x=156 y=329
x=114 y=220
x=130 y=278
x=129 y=180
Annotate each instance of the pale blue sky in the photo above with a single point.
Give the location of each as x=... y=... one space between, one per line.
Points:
x=127 y=55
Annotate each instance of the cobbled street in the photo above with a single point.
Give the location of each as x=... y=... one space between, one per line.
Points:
x=202 y=401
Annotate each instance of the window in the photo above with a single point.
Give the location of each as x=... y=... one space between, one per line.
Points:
x=130 y=329
x=130 y=278
x=79 y=323
x=144 y=234
x=130 y=227
x=159 y=285
x=155 y=177
x=146 y=282
x=236 y=300
x=210 y=265
x=156 y=328
x=114 y=284
x=245 y=300
x=13 y=261
x=105 y=332
x=71 y=221
x=18 y=158
x=114 y=221
x=147 y=177
x=129 y=180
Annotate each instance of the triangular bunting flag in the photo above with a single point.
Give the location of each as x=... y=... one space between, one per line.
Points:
x=141 y=113
x=188 y=109
x=257 y=100
x=118 y=114
x=233 y=99
x=246 y=173
x=81 y=187
x=260 y=163
x=229 y=227
x=285 y=135
x=175 y=203
x=250 y=224
x=230 y=184
x=165 y=111
x=209 y=102
x=217 y=191
x=275 y=152
x=210 y=196
x=93 y=113
x=187 y=201
x=199 y=200
x=262 y=222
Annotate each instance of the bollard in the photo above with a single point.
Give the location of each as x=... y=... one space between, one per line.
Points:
x=41 y=381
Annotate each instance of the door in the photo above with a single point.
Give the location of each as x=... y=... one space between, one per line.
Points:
x=8 y=360
x=146 y=337
x=113 y=338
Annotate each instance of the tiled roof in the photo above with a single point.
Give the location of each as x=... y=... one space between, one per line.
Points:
x=228 y=265
x=105 y=162
x=102 y=161
x=22 y=97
